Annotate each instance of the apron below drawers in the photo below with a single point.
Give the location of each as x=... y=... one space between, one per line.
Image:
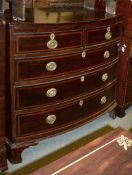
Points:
x=66 y=117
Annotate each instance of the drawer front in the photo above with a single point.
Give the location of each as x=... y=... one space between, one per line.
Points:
x=48 y=41
x=57 y=120
x=103 y=34
x=27 y=69
x=47 y=94
x=128 y=98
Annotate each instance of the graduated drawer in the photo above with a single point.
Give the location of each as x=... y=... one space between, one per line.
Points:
x=103 y=34
x=46 y=94
x=65 y=117
x=34 y=68
x=28 y=42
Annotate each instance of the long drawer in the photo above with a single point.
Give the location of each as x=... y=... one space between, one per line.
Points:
x=54 y=121
x=34 y=68
x=48 y=41
x=52 y=92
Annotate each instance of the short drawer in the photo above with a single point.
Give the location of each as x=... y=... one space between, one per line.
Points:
x=104 y=34
x=48 y=41
x=34 y=68
x=46 y=94
x=60 y=119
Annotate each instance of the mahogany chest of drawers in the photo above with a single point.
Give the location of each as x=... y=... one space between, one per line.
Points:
x=61 y=73
x=3 y=163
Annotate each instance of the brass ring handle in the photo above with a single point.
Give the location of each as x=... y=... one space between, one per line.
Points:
x=52 y=43
x=103 y=100
x=108 y=34
x=105 y=77
x=106 y=54
x=51 y=119
x=51 y=92
x=51 y=66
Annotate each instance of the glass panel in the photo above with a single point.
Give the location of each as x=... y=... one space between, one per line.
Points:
x=110 y=6
x=89 y=4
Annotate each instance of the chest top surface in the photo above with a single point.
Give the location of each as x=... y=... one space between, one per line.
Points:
x=64 y=16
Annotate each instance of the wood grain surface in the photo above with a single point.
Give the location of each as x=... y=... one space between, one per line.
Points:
x=3 y=163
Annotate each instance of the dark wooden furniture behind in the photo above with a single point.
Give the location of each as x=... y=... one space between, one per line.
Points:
x=3 y=163
x=105 y=153
x=1 y=7
x=124 y=90
x=62 y=72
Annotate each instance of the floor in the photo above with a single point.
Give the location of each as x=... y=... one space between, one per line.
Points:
x=36 y=152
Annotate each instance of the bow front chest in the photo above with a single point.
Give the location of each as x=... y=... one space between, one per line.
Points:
x=62 y=72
